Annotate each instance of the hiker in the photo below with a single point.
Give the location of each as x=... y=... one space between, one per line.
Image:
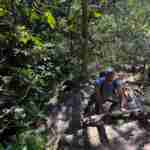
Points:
x=109 y=88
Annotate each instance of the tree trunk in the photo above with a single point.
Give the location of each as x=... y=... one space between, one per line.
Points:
x=84 y=44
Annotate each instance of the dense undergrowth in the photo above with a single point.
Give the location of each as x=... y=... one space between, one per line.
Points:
x=40 y=48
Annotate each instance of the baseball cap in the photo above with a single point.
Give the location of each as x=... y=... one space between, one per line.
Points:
x=109 y=71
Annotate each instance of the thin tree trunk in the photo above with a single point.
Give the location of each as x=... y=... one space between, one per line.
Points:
x=84 y=47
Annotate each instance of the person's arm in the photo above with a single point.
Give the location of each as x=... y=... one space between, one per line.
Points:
x=122 y=95
x=99 y=100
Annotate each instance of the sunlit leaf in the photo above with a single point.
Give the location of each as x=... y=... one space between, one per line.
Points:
x=37 y=41
x=103 y=1
x=50 y=19
x=97 y=14
x=24 y=35
x=2 y=12
x=34 y=15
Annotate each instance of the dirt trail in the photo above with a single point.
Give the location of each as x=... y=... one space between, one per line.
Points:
x=126 y=136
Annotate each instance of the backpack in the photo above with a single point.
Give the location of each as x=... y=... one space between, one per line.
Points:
x=102 y=74
x=114 y=84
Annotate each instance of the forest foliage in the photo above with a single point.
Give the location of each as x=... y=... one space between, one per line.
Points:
x=43 y=43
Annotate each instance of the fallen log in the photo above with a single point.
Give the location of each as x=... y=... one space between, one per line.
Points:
x=109 y=118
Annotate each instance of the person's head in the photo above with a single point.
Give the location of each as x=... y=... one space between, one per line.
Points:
x=110 y=74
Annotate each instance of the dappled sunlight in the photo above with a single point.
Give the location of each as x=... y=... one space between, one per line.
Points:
x=74 y=75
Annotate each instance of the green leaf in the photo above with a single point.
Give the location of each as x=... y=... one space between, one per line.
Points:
x=76 y=5
x=34 y=16
x=75 y=9
x=50 y=19
x=37 y=41
x=97 y=14
x=24 y=35
x=71 y=28
x=1 y=147
x=131 y=2
x=2 y=12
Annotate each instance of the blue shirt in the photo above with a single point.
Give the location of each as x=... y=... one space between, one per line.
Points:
x=107 y=88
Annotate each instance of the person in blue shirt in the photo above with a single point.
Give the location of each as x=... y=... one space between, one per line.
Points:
x=108 y=87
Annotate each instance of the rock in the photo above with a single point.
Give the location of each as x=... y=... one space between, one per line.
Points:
x=146 y=146
x=75 y=139
x=93 y=136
